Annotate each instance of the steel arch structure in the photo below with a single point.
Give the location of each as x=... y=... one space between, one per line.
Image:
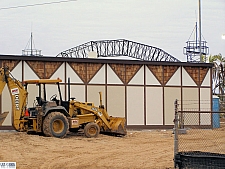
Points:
x=120 y=47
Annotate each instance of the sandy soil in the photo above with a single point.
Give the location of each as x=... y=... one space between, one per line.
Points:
x=136 y=150
x=139 y=149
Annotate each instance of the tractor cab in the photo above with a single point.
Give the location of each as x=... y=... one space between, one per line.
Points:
x=41 y=99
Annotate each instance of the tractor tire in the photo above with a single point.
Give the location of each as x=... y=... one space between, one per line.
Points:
x=55 y=125
x=91 y=130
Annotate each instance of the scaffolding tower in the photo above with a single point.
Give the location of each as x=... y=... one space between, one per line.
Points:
x=195 y=49
x=30 y=48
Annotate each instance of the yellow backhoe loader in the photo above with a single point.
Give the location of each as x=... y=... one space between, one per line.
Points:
x=56 y=117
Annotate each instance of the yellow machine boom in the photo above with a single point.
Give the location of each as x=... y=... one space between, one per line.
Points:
x=55 y=117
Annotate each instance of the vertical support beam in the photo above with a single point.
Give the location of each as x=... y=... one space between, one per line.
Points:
x=65 y=73
x=1 y=94
x=106 y=86
x=86 y=83
x=145 y=97
x=163 y=91
x=181 y=102
x=199 y=97
x=125 y=85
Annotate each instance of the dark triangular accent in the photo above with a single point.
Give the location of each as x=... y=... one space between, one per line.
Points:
x=168 y=72
x=80 y=69
x=92 y=69
x=119 y=69
x=11 y=64
x=157 y=71
x=38 y=67
x=131 y=70
x=194 y=73
x=203 y=72
x=50 y=68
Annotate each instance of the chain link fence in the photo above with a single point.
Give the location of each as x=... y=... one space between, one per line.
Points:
x=199 y=135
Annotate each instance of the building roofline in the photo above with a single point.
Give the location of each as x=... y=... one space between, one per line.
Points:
x=97 y=60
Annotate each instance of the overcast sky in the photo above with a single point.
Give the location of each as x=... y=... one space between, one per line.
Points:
x=166 y=24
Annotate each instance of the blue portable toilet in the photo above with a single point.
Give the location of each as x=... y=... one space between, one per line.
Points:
x=216 y=108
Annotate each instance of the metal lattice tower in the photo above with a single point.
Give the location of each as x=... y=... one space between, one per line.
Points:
x=31 y=51
x=120 y=47
x=195 y=48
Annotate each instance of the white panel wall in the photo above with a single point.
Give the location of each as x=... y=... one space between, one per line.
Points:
x=206 y=81
x=112 y=78
x=138 y=78
x=170 y=95
x=186 y=79
x=135 y=105
x=93 y=94
x=17 y=71
x=74 y=78
x=60 y=73
x=205 y=105
x=205 y=98
x=78 y=91
x=7 y=106
x=116 y=101
x=190 y=102
x=154 y=108
x=99 y=78
x=150 y=78
x=29 y=73
x=53 y=89
x=175 y=80
x=33 y=92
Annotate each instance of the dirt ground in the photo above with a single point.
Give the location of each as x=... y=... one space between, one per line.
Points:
x=138 y=150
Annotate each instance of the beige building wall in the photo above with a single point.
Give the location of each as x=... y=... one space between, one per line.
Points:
x=190 y=102
x=17 y=71
x=77 y=91
x=154 y=106
x=32 y=94
x=135 y=105
x=125 y=100
x=99 y=78
x=60 y=73
x=186 y=79
x=93 y=94
x=53 y=89
x=74 y=78
x=205 y=105
x=170 y=95
x=29 y=73
x=138 y=79
x=6 y=106
x=116 y=101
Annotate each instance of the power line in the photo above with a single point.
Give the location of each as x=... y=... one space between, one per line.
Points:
x=46 y=3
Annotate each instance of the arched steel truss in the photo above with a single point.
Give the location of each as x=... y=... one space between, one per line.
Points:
x=120 y=47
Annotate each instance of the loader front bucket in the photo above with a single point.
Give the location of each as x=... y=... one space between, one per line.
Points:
x=117 y=125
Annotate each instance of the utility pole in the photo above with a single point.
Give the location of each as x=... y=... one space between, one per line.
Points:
x=200 y=31
x=31 y=44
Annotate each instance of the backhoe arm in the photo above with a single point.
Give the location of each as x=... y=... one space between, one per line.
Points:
x=2 y=80
x=18 y=97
